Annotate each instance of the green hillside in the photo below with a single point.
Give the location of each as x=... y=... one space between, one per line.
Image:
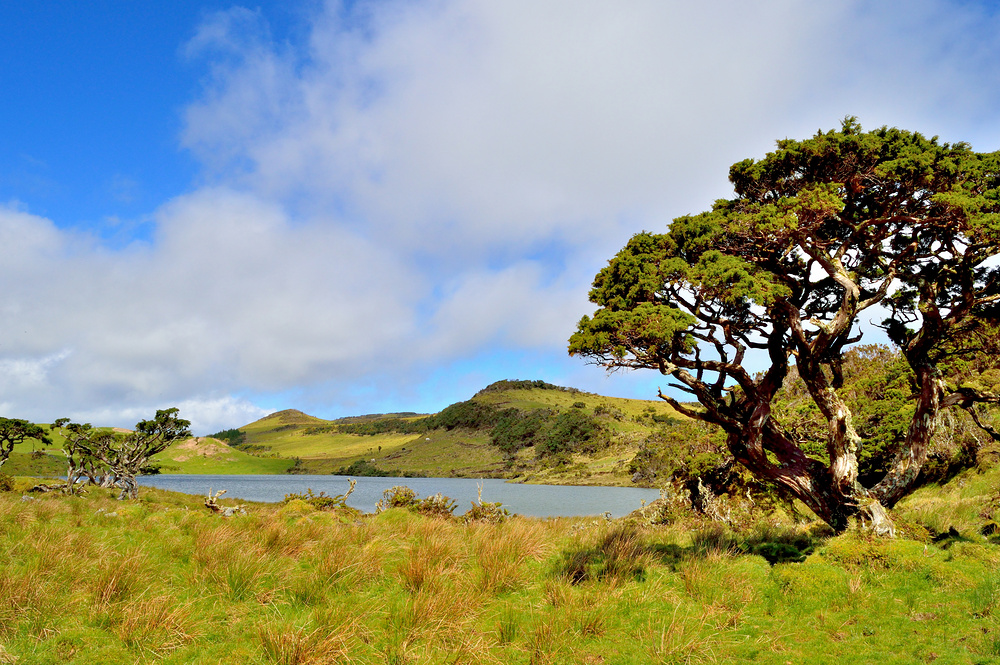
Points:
x=561 y=435
x=211 y=456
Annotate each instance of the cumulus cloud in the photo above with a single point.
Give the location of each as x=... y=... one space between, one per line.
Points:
x=428 y=185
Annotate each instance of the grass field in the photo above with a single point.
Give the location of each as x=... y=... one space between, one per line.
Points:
x=91 y=580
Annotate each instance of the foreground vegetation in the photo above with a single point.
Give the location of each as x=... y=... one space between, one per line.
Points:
x=87 y=579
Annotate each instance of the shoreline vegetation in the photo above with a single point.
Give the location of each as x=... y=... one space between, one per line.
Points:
x=165 y=579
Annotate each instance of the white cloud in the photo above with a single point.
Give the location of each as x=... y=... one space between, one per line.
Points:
x=207 y=414
x=422 y=182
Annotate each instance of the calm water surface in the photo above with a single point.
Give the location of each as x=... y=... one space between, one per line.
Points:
x=530 y=500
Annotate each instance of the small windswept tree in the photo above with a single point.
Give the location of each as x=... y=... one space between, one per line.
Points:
x=14 y=431
x=79 y=442
x=123 y=455
x=887 y=224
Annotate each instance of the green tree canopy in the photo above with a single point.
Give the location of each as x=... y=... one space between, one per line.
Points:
x=819 y=231
x=14 y=431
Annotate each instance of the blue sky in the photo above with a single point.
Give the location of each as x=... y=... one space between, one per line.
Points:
x=376 y=206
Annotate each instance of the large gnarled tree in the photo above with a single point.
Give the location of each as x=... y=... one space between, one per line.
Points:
x=822 y=235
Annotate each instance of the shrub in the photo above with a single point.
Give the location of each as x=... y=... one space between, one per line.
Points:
x=321 y=501
x=515 y=430
x=6 y=483
x=468 y=415
x=571 y=431
x=233 y=437
x=485 y=511
x=400 y=496
x=436 y=505
x=365 y=469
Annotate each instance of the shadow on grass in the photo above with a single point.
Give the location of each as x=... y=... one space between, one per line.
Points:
x=625 y=551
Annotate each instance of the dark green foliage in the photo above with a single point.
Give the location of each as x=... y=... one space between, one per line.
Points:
x=467 y=415
x=778 y=553
x=501 y=386
x=365 y=418
x=233 y=437
x=516 y=429
x=386 y=426
x=365 y=468
x=570 y=431
x=6 y=483
x=16 y=430
x=237 y=439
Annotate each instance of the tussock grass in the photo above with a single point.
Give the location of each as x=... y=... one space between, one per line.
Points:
x=88 y=579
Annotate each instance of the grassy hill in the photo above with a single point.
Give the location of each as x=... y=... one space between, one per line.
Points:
x=592 y=439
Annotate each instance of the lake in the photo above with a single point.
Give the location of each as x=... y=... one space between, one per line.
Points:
x=528 y=500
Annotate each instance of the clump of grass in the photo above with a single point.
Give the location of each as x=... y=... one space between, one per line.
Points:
x=501 y=553
x=855 y=550
x=682 y=639
x=427 y=562
x=984 y=598
x=119 y=577
x=621 y=553
x=508 y=625
x=155 y=624
x=288 y=645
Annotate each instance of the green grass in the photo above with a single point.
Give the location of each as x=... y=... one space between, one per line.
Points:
x=211 y=456
x=89 y=579
x=51 y=464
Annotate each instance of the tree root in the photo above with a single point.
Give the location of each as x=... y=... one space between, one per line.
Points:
x=876 y=517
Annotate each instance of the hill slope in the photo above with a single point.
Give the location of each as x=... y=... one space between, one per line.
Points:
x=524 y=430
